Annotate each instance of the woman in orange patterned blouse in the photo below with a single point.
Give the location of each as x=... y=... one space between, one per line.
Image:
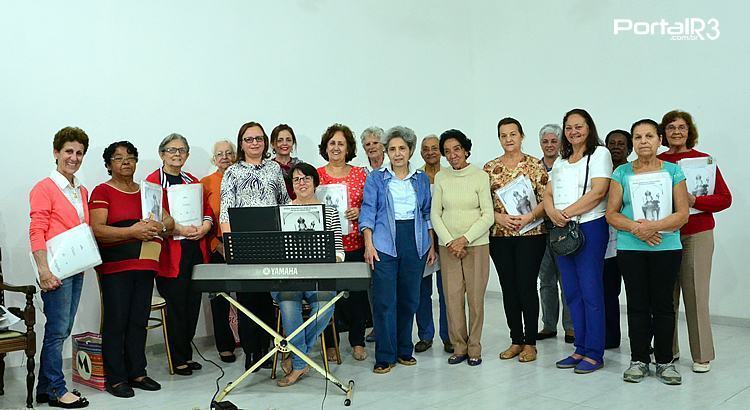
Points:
x=517 y=239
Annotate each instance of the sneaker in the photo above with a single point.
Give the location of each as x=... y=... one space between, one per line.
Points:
x=668 y=374
x=701 y=367
x=636 y=372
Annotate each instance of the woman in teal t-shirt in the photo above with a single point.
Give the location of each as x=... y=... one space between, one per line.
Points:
x=648 y=204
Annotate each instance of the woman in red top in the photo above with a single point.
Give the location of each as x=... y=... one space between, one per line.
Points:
x=338 y=147
x=130 y=248
x=697 y=241
x=179 y=256
x=58 y=203
x=224 y=155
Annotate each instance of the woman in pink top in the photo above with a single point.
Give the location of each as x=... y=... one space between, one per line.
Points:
x=58 y=203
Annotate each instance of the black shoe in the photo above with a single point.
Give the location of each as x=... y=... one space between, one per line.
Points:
x=42 y=398
x=249 y=363
x=268 y=364
x=570 y=339
x=78 y=404
x=228 y=359
x=545 y=335
x=422 y=346
x=448 y=347
x=122 y=390
x=185 y=371
x=194 y=365
x=146 y=383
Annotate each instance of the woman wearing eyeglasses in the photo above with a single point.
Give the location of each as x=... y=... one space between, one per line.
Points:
x=697 y=237
x=305 y=179
x=130 y=247
x=254 y=180
x=224 y=154
x=179 y=257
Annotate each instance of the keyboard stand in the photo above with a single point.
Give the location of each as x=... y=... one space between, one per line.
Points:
x=283 y=344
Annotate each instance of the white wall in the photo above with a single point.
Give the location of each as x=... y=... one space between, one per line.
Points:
x=139 y=70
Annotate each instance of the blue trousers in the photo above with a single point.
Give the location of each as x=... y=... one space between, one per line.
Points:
x=60 y=306
x=425 y=324
x=395 y=296
x=290 y=306
x=582 y=278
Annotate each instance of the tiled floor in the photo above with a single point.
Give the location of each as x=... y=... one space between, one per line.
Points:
x=433 y=384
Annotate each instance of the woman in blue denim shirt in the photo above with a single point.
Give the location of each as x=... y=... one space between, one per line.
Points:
x=395 y=221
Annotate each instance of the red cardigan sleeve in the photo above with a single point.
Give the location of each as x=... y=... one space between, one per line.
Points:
x=719 y=201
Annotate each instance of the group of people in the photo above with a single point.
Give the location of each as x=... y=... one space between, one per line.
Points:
x=409 y=224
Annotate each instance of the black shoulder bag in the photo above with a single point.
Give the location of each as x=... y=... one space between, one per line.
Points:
x=568 y=239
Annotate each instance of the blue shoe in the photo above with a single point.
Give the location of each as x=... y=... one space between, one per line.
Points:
x=585 y=367
x=568 y=363
x=474 y=361
x=457 y=358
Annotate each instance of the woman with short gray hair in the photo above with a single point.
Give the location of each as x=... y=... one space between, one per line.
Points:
x=395 y=222
x=373 y=139
x=223 y=156
x=180 y=255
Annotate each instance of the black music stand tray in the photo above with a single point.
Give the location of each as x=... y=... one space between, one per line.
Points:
x=271 y=247
x=282 y=247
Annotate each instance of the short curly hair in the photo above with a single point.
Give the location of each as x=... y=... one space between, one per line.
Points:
x=70 y=134
x=458 y=136
x=692 y=137
x=351 y=143
x=110 y=151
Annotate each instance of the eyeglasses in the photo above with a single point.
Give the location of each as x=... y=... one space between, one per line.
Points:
x=672 y=128
x=300 y=180
x=249 y=140
x=123 y=159
x=227 y=154
x=173 y=150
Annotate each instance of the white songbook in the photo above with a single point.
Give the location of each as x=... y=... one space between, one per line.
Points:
x=186 y=204
x=71 y=252
x=336 y=195
x=518 y=198
x=651 y=195
x=700 y=176
x=151 y=197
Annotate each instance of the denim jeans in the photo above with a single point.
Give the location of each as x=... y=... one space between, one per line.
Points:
x=290 y=306
x=425 y=323
x=60 y=306
x=395 y=295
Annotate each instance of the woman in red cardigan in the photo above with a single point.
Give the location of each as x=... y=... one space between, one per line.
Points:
x=179 y=256
x=697 y=241
x=58 y=203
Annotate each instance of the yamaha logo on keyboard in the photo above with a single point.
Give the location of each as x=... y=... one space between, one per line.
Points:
x=289 y=271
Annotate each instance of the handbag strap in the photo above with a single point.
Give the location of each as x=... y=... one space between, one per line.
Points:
x=585 y=182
